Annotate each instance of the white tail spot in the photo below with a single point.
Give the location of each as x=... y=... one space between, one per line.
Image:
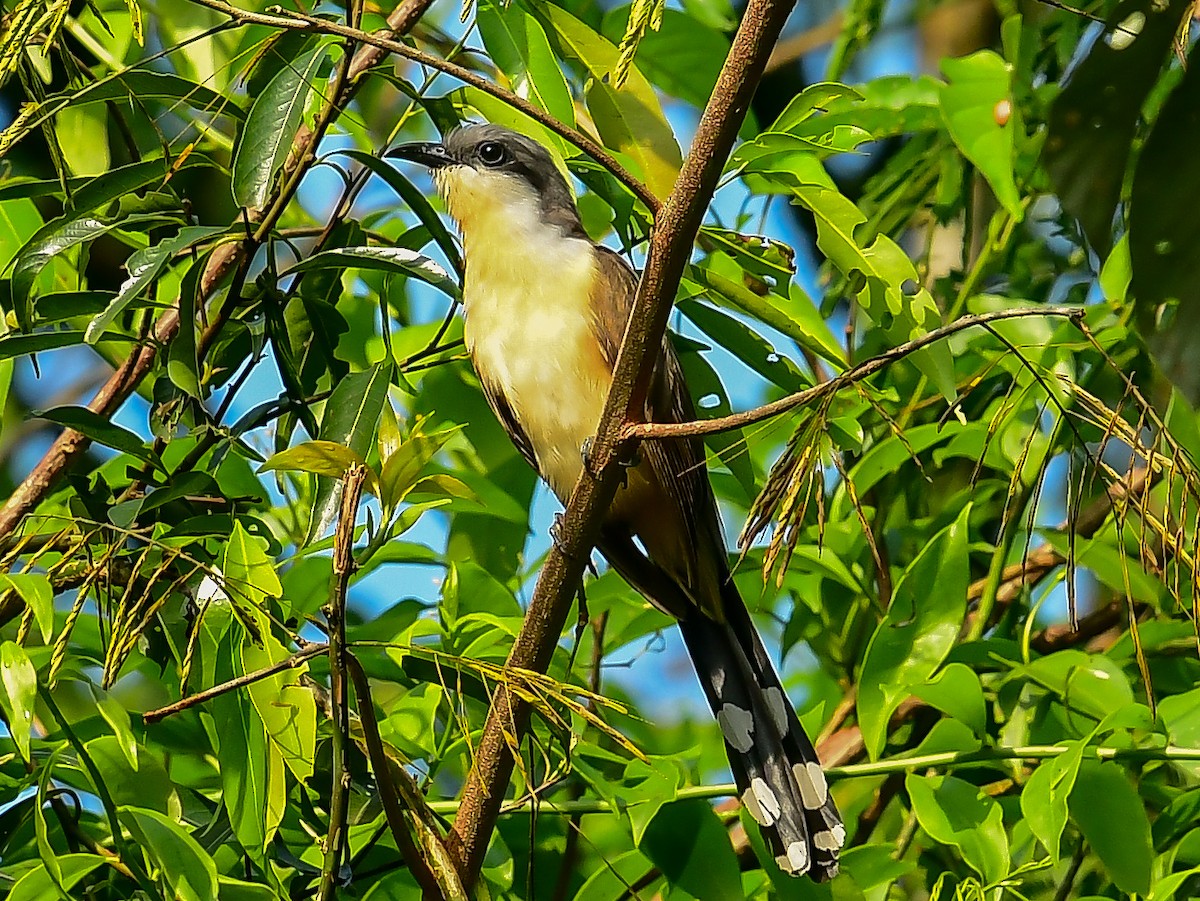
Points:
x=767 y=801
x=796 y=860
x=737 y=725
x=814 y=790
x=777 y=707
x=825 y=841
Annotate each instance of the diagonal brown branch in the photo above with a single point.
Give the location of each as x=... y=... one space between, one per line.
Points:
x=71 y=445
x=675 y=229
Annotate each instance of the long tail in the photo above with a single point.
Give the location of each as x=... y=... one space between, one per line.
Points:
x=777 y=770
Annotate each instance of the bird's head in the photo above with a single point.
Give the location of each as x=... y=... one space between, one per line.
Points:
x=497 y=180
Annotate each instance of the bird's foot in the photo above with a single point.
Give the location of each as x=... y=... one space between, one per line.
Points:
x=556 y=536
x=586 y=453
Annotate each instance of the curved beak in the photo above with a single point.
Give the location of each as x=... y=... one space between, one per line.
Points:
x=426 y=153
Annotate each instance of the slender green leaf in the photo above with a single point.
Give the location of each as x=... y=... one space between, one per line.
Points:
x=399 y=260
x=351 y=414
x=102 y=430
x=1108 y=811
x=144 y=267
x=187 y=868
x=630 y=119
x=518 y=46
x=920 y=627
x=19 y=681
x=1044 y=797
x=270 y=128
x=34 y=589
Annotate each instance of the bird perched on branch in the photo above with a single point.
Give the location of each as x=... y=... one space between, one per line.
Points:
x=546 y=309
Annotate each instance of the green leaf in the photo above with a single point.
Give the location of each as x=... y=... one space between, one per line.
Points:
x=978 y=86
x=799 y=319
x=888 y=287
x=34 y=589
x=19 y=681
x=143 y=781
x=187 y=869
x=688 y=843
x=322 y=458
x=1044 y=797
x=629 y=120
x=959 y=814
x=1090 y=683
x=518 y=47
x=249 y=766
x=1110 y=814
x=416 y=200
x=146 y=84
x=249 y=578
x=271 y=127
x=100 y=429
x=144 y=267
x=683 y=57
x=745 y=343
x=83 y=133
x=52 y=239
x=349 y=420
x=921 y=625
x=13 y=346
x=38 y=884
x=399 y=260
x=956 y=692
x=285 y=705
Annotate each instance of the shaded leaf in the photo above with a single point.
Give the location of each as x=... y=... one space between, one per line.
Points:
x=188 y=870
x=101 y=430
x=1106 y=808
x=920 y=627
x=1094 y=118
x=688 y=843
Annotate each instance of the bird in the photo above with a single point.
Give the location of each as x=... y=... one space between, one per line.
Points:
x=545 y=309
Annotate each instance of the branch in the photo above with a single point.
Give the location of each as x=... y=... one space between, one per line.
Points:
x=313 y=650
x=278 y=17
x=335 y=616
x=865 y=369
x=674 y=233
x=70 y=445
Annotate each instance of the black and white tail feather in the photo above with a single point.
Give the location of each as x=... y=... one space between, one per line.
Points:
x=778 y=773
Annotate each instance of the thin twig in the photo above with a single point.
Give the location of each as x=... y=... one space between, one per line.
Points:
x=336 y=840
x=941 y=760
x=675 y=228
x=200 y=697
x=865 y=369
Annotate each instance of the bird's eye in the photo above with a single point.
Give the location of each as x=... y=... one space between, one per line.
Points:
x=492 y=153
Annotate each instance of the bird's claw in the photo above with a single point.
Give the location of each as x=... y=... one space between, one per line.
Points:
x=557 y=537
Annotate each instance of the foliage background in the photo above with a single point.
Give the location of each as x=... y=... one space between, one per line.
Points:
x=914 y=539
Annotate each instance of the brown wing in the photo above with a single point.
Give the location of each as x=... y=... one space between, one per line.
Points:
x=508 y=420
x=676 y=467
